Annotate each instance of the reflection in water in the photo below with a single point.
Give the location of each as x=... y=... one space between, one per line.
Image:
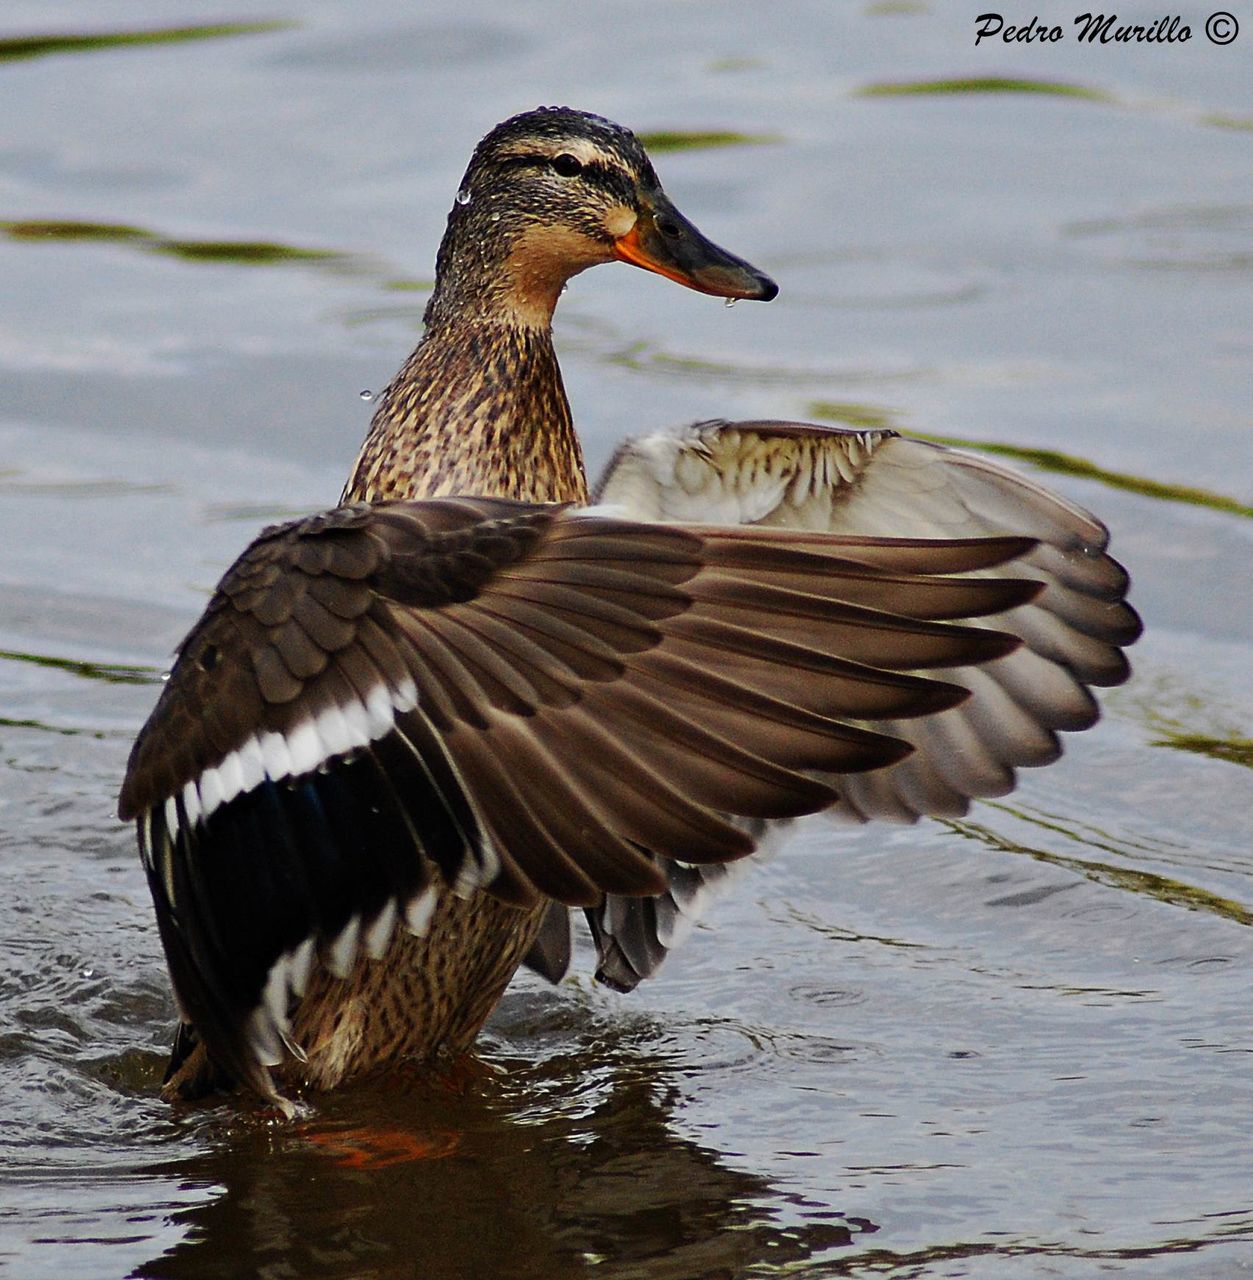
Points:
x=554 y=1167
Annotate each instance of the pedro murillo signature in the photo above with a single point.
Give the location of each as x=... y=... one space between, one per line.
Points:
x=1104 y=28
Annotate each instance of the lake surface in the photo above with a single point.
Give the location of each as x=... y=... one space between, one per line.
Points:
x=1019 y=1045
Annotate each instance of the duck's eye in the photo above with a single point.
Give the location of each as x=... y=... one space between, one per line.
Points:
x=567 y=165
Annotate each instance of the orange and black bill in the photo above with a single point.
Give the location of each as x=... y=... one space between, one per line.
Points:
x=664 y=241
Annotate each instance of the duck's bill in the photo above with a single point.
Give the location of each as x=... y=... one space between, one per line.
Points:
x=664 y=241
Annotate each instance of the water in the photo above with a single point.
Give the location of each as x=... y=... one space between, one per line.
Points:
x=1018 y=1045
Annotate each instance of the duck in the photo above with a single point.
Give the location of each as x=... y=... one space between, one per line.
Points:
x=413 y=736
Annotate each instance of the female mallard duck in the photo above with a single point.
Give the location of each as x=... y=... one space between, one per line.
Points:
x=409 y=733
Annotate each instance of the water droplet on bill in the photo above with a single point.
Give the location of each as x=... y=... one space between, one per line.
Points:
x=463 y=196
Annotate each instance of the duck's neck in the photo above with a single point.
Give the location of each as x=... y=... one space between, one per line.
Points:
x=478 y=408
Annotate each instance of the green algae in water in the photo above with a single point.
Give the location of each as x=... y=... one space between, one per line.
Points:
x=1199 y=721
x=981 y=84
x=695 y=140
x=243 y=251
x=404 y=285
x=109 y=672
x=1167 y=889
x=853 y=414
x=62 y=230
x=1232 y=750
x=1072 y=465
x=1220 y=121
x=15 y=48
x=895 y=8
x=720 y=66
x=39 y=726
x=239 y=252
x=1069 y=464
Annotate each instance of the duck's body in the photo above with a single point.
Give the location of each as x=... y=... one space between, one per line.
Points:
x=478 y=408
x=426 y=996
x=404 y=739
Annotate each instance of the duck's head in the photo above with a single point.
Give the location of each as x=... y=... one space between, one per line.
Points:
x=554 y=191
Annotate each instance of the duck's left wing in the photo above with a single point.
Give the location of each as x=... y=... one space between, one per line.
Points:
x=528 y=700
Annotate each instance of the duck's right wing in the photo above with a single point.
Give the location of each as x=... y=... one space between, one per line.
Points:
x=804 y=476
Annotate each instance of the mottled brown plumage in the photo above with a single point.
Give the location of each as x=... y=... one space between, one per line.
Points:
x=409 y=732
x=478 y=408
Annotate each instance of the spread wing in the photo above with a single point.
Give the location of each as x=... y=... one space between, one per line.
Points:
x=525 y=700
x=876 y=483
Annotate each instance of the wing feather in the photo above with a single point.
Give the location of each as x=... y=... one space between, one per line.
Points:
x=545 y=704
x=890 y=499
